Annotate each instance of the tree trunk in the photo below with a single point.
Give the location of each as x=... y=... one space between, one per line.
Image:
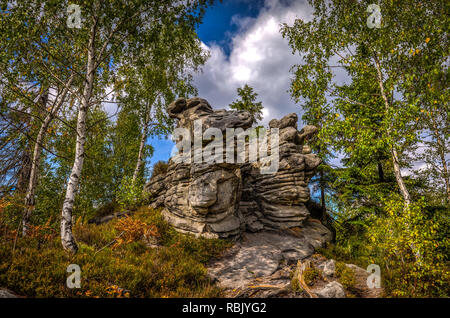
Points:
x=380 y=172
x=399 y=178
x=67 y=239
x=24 y=172
x=396 y=165
x=322 y=197
x=36 y=159
x=395 y=162
x=140 y=160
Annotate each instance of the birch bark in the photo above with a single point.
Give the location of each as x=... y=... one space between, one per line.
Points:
x=36 y=159
x=67 y=238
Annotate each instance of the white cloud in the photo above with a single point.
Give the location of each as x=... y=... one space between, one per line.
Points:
x=259 y=57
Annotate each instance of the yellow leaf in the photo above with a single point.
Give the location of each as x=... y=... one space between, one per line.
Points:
x=427 y=40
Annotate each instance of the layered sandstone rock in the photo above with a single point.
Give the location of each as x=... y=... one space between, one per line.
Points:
x=201 y=198
x=224 y=199
x=277 y=201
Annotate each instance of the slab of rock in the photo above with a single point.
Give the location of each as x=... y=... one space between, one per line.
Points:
x=278 y=200
x=261 y=255
x=328 y=267
x=331 y=290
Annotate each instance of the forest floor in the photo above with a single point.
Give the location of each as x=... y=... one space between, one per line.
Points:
x=143 y=256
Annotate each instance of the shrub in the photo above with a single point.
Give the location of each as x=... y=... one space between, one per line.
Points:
x=130 y=193
x=131 y=269
x=159 y=168
x=310 y=275
x=132 y=229
x=410 y=249
x=346 y=275
x=295 y=285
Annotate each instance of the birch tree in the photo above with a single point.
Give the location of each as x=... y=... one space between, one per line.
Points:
x=151 y=80
x=110 y=34
x=342 y=36
x=29 y=63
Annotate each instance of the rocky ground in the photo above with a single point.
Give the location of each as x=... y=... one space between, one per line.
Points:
x=263 y=264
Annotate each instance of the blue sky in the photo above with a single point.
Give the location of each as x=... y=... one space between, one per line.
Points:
x=246 y=47
x=217 y=28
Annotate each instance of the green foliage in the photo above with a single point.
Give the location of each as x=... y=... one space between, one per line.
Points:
x=248 y=102
x=374 y=114
x=346 y=275
x=411 y=247
x=343 y=254
x=295 y=285
x=409 y=244
x=310 y=275
x=394 y=97
x=174 y=269
x=129 y=193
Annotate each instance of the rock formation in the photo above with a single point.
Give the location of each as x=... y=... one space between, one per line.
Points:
x=277 y=201
x=224 y=199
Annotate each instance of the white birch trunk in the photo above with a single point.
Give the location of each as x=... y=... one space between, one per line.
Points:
x=67 y=239
x=440 y=148
x=36 y=159
x=395 y=161
x=398 y=174
x=140 y=155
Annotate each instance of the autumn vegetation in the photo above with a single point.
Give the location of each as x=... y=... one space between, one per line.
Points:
x=115 y=258
x=64 y=160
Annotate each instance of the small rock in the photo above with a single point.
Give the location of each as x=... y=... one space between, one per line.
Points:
x=5 y=293
x=331 y=290
x=328 y=267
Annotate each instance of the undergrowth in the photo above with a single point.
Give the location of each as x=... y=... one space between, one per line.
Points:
x=139 y=256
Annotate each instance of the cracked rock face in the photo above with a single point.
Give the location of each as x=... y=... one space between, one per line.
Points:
x=263 y=254
x=277 y=201
x=223 y=200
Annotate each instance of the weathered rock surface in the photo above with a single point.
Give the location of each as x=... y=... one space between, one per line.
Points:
x=328 y=268
x=244 y=275
x=261 y=255
x=5 y=293
x=331 y=290
x=277 y=201
x=225 y=199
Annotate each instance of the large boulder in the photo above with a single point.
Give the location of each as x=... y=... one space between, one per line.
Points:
x=223 y=199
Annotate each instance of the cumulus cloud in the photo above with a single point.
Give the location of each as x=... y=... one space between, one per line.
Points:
x=259 y=57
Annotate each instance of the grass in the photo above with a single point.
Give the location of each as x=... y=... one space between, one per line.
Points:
x=310 y=275
x=346 y=275
x=115 y=261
